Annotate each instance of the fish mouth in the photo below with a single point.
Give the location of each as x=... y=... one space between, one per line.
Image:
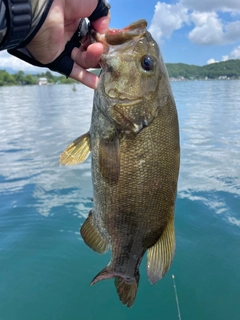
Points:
x=118 y=36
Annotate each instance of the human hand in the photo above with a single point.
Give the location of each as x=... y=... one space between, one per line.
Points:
x=60 y=25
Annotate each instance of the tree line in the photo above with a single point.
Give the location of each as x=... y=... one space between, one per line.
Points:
x=20 y=78
x=230 y=68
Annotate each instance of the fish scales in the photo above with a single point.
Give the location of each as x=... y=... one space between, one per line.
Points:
x=134 y=141
x=139 y=188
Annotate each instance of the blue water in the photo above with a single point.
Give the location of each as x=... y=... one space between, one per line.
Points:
x=45 y=267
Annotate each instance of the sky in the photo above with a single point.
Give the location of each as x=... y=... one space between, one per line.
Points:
x=195 y=32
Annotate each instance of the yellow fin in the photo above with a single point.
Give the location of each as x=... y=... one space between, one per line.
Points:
x=77 y=151
x=92 y=237
x=160 y=255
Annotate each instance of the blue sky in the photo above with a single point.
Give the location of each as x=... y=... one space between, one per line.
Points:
x=189 y=31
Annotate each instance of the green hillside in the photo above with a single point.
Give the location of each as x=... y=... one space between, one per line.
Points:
x=230 y=68
x=20 y=78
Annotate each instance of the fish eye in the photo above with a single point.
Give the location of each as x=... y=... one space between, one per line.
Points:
x=147 y=62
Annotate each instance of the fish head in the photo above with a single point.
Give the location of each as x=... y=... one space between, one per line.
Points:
x=133 y=82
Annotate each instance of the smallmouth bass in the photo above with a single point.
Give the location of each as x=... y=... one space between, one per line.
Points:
x=134 y=141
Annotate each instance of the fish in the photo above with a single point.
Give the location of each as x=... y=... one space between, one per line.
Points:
x=134 y=144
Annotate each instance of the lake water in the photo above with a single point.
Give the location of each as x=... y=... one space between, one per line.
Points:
x=46 y=268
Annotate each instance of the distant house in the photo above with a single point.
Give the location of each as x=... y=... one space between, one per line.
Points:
x=42 y=81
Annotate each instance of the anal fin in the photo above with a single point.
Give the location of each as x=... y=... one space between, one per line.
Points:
x=92 y=237
x=77 y=151
x=160 y=255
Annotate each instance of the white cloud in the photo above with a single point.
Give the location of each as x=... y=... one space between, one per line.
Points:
x=208 y=28
x=211 y=30
x=225 y=58
x=235 y=54
x=232 y=31
x=210 y=61
x=9 y=61
x=167 y=18
x=206 y=5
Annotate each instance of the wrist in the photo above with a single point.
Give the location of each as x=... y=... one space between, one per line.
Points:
x=18 y=21
x=3 y=21
x=23 y=20
x=40 y=9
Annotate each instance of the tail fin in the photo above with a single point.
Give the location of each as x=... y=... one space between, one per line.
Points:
x=106 y=273
x=127 y=291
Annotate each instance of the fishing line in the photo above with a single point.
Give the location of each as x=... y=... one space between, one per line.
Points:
x=176 y=296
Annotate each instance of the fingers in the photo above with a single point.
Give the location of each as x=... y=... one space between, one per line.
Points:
x=80 y=74
x=85 y=60
x=101 y=25
x=89 y=58
x=75 y=9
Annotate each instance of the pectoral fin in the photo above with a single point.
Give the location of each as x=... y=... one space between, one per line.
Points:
x=109 y=160
x=77 y=151
x=160 y=255
x=92 y=237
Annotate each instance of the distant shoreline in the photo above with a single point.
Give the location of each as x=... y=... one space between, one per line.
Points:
x=225 y=70
x=181 y=79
